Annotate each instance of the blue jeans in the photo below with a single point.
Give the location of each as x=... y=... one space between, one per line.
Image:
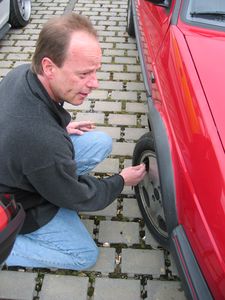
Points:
x=64 y=242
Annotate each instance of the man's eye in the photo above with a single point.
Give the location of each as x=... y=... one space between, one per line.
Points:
x=83 y=75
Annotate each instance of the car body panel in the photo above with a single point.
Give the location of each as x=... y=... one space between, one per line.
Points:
x=211 y=77
x=4 y=17
x=4 y=12
x=186 y=89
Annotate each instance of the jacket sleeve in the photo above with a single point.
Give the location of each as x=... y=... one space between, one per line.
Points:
x=59 y=184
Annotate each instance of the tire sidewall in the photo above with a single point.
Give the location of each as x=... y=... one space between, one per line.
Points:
x=146 y=143
x=130 y=20
x=16 y=19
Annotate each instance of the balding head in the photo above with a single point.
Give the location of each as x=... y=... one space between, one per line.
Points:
x=55 y=36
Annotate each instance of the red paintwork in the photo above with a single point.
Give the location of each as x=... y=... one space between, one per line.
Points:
x=188 y=63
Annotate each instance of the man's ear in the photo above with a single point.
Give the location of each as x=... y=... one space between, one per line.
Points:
x=48 y=67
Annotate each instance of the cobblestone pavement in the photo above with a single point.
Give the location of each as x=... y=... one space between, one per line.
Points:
x=131 y=265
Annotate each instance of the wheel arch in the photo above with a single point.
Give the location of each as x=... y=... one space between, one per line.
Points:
x=165 y=166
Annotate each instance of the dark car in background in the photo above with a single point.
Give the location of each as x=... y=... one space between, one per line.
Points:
x=14 y=13
x=181 y=45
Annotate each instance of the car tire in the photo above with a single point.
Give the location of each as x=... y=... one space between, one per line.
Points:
x=148 y=191
x=130 y=20
x=20 y=11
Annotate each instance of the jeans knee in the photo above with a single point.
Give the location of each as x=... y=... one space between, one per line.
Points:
x=86 y=259
x=105 y=141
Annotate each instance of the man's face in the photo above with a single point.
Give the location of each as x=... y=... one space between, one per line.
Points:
x=76 y=78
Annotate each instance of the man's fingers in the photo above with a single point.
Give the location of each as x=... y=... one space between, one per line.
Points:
x=139 y=167
x=86 y=124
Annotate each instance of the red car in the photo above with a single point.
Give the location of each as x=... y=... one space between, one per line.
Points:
x=181 y=45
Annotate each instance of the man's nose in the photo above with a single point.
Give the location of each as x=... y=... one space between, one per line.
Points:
x=93 y=81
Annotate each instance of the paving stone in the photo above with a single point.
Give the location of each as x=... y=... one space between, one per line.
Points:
x=106 y=33
x=115 y=39
x=106 y=45
x=108 y=106
x=119 y=232
x=17 y=285
x=143 y=97
x=150 y=240
x=84 y=106
x=18 y=56
x=135 y=86
x=121 y=148
x=173 y=267
x=111 y=67
x=111 y=85
x=134 y=133
x=89 y=224
x=125 y=60
x=113 y=52
x=106 y=261
x=97 y=94
x=11 y=49
x=124 y=76
x=109 y=165
x=114 y=132
x=107 y=59
x=109 y=211
x=130 y=208
x=25 y=43
x=103 y=75
x=144 y=120
x=128 y=163
x=59 y=287
x=120 y=119
x=97 y=118
x=126 y=46
x=118 y=95
x=132 y=53
x=137 y=261
x=133 y=68
x=161 y=290
x=128 y=190
x=5 y=64
x=111 y=289
x=137 y=107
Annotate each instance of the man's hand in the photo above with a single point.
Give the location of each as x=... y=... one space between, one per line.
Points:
x=80 y=127
x=133 y=175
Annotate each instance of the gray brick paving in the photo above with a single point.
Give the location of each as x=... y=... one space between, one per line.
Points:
x=130 y=208
x=59 y=287
x=134 y=133
x=89 y=224
x=149 y=239
x=119 y=232
x=111 y=289
x=17 y=285
x=120 y=148
x=127 y=248
x=109 y=165
x=143 y=262
x=106 y=261
x=172 y=266
x=108 y=106
x=109 y=211
x=94 y=117
x=161 y=290
x=114 y=132
x=120 y=119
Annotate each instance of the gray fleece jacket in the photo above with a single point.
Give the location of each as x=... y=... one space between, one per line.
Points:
x=37 y=155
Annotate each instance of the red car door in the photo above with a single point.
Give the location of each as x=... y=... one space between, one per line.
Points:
x=154 y=22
